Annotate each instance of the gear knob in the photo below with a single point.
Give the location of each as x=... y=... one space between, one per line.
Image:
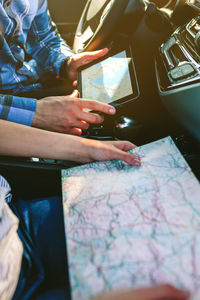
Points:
x=127 y=128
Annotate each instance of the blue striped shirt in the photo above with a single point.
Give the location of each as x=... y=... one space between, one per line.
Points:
x=27 y=31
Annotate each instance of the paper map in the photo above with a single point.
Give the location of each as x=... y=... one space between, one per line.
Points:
x=133 y=226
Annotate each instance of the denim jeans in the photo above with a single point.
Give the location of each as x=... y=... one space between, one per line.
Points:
x=44 y=272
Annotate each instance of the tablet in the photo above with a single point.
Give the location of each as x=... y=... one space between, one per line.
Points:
x=111 y=79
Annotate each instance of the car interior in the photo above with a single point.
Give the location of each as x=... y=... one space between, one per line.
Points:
x=163 y=39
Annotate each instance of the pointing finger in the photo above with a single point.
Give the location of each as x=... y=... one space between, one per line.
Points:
x=91 y=117
x=130 y=159
x=98 y=106
x=123 y=145
x=125 y=156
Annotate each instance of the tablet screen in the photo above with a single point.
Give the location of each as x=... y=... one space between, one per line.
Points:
x=108 y=80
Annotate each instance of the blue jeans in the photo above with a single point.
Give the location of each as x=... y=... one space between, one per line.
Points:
x=44 y=272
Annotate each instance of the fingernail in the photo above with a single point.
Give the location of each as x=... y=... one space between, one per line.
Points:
x=112 y=110
x=136 y=162
x=137 y=156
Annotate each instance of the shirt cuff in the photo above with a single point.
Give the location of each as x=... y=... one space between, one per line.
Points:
x=21 y=110
x=60 y=65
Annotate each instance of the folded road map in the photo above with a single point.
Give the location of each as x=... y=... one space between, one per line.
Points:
x=133 y=226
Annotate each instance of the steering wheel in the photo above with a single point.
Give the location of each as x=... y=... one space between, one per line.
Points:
x=97 y=23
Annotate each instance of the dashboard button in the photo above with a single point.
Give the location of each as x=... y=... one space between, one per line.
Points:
x=176 y=73
x=187 y=69
x=181 y=72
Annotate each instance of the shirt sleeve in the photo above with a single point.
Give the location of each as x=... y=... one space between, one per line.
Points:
x=45 y=44
x=17 y=109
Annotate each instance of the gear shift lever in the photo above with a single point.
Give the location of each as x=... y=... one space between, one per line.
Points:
x=127 y=128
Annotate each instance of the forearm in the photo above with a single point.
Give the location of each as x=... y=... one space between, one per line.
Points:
x=19 y=140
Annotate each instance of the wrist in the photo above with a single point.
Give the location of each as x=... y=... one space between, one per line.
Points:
x=37 y=118
x=69 y=147
x=64 y=67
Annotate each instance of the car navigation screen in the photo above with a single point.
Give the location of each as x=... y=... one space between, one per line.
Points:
x=110 y=80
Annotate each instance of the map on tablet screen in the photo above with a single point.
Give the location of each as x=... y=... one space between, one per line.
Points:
x=108 y=80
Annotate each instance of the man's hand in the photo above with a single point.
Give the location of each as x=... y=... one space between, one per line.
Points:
x=159 y=292
x=66 y=114
x=81 y=59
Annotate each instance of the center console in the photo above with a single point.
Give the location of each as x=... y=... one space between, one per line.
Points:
x=178 y=76
x=178 y=63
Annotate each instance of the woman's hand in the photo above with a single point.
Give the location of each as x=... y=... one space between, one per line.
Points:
x=20 y=140
x=98 y=150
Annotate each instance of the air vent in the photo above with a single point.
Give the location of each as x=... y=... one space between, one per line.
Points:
x=189 y=38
